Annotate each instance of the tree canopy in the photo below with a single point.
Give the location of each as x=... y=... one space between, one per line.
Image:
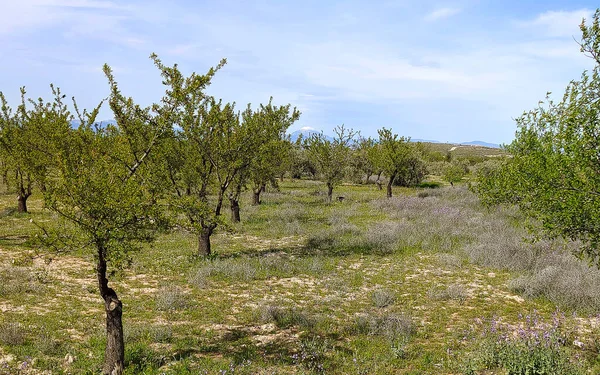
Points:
x=554 y=172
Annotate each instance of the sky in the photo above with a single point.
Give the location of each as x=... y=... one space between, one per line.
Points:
x=452 y=71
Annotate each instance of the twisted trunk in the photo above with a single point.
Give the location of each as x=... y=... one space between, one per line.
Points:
x=22 y=202
x=256 y=194
x=24 y=193
x=114 y=355
x=235 y=210
x=204 y=241
x=378 y=182
x=329 y=192
x=389 y=185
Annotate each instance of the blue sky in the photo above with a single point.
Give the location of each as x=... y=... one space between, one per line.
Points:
x=445 y=70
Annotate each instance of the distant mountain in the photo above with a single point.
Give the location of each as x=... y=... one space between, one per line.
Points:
x=306 y=132
x=481 y=143
x=423 y=140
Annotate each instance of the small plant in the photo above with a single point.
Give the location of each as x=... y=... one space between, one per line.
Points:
x=398 y=347
x=455 y=292
x=171 y=298
x=382 y=298
x=312 y=353
x=535 y=348
x=392 y=326
x=12 y=334
x=284 y=317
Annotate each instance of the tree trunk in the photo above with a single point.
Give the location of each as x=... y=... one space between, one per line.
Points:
x=114 y=355
x=256 y=197
x=204 y=242
x=263 y=188
x=235 y=210
x=378 y=182
x=329 y=192
x=389 y=188
x=22 y=203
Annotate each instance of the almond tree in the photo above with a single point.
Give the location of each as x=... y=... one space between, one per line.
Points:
x=553 y=174
x=99 y=184
x=399 y=160
x=208 y=149
x=27 y=137
x=331 y=157
x=271 y=144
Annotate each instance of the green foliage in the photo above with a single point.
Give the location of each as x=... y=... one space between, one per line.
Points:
x=27 y=141
x=455 y=171
x=98 y=181
x=213 y=149
x=299 y=165
x=400 y=160
x=330 y=157
x=270 y=149
x=535 y=349
x=553 y=174
x=362 y=160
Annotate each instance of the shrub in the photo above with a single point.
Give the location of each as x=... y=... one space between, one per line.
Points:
x=535 y=349
x=454 y=292
x=284 y=317
x=312 y=353
x=18 y=280
x=382 y=298
x=12 y=334
x=392 y=326
x=171 y=298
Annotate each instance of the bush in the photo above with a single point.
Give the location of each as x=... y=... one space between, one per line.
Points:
x=171 y=298
x=18 y=280
x=394 y=327
x=535 y=349
x=140 y=358
x=284 y=317
x=382 y=298
x=312 y=353
x=451 y=292
x=12 y=334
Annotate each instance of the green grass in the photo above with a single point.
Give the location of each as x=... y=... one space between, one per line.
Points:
x=368 y=285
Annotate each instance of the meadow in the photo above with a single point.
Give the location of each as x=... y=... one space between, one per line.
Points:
x=426 y=282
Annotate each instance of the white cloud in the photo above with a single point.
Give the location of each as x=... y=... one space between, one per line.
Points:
x=558 y=23
x=104 y=20
x=442 y=13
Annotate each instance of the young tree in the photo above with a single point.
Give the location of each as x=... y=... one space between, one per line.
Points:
x=210 y=147
x=27 y=137
x=393 y=157
x=361 y=163
x=99 y=184
x=266 y=127
x=415 y=168
x=299 y=163
x=454 y=171
x=330 y=157
x=554 y=173
x=202 y=162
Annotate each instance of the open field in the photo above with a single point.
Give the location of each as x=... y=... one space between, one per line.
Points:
x=427 y=282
